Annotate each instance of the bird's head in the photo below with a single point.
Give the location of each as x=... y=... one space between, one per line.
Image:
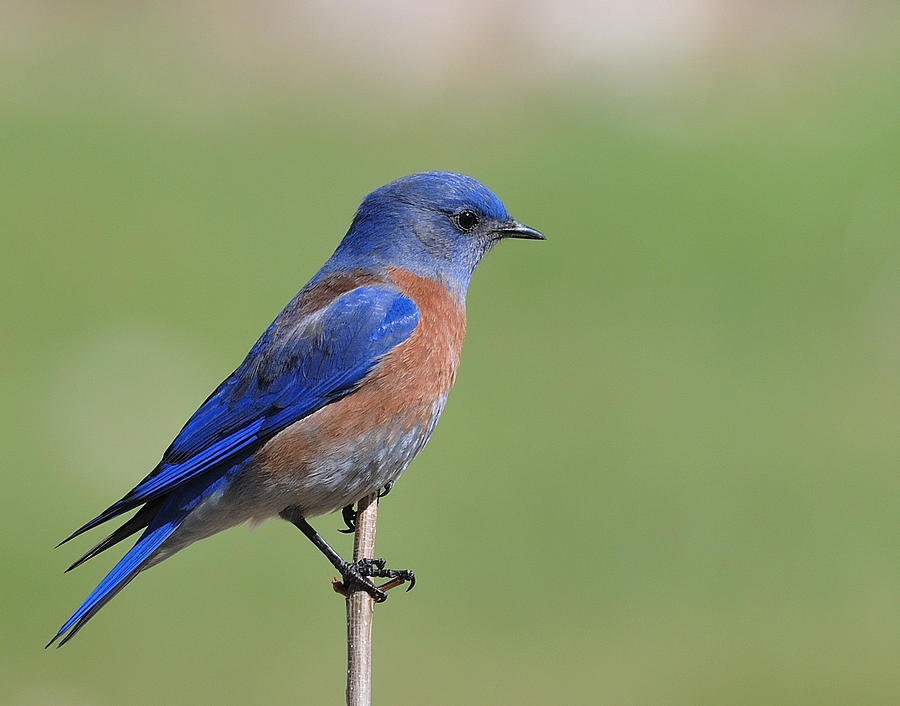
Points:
x=434 y=224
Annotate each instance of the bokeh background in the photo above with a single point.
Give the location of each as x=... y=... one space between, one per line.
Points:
x=668 y=472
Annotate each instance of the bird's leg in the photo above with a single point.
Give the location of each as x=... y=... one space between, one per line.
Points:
x=349 y=515
x=353 y=575
x=385 y=490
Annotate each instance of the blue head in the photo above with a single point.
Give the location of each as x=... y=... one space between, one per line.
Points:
x=434 y=224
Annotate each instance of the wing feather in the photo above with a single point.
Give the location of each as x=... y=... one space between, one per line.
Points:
x=295 y=369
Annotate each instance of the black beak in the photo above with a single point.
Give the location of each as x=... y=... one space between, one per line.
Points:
x=514 y=229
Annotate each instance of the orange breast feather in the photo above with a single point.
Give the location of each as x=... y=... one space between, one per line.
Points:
x=405 y=391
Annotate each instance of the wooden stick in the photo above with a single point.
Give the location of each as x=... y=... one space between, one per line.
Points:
x=361 y=610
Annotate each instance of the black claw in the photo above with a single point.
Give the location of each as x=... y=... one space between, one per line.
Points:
x=375 y=568
x=357 y=575
x=366 y=566
x=349 y=515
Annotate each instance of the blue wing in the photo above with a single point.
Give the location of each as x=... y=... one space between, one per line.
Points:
x=296 y=368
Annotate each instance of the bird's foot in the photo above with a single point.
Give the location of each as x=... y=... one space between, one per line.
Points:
x=356 y=576
x=349 y=515
x=375 y=568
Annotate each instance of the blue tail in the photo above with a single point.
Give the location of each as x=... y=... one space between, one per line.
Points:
x=121 y=574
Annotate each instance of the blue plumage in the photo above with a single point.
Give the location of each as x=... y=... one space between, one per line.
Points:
x=331 y=351
x=116 y=579
x=321 y=359
x=320 y=350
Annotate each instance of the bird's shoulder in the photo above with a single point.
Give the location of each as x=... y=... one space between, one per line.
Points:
x=428 y=359
x=322 y=291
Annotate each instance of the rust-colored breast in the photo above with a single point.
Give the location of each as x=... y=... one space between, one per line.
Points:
x=424 y=366
x=402 y=389
x=377 y=429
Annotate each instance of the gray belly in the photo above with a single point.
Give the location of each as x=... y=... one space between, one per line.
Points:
x=341 y=474
x=344 y=471
x=350 y=471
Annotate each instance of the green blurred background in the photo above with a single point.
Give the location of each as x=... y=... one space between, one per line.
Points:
x=668 y=472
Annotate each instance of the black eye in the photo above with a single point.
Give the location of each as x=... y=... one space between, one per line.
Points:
x=466 y=220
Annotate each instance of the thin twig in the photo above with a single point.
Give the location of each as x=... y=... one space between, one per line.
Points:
x=361 y=609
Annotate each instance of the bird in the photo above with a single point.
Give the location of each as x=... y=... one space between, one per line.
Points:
x=336 y=397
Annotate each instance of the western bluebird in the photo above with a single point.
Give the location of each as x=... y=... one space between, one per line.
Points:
x=337 y=396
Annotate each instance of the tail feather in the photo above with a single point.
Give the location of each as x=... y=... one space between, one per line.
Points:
x=143 y=518
x=109 y=513
x=121 y=574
